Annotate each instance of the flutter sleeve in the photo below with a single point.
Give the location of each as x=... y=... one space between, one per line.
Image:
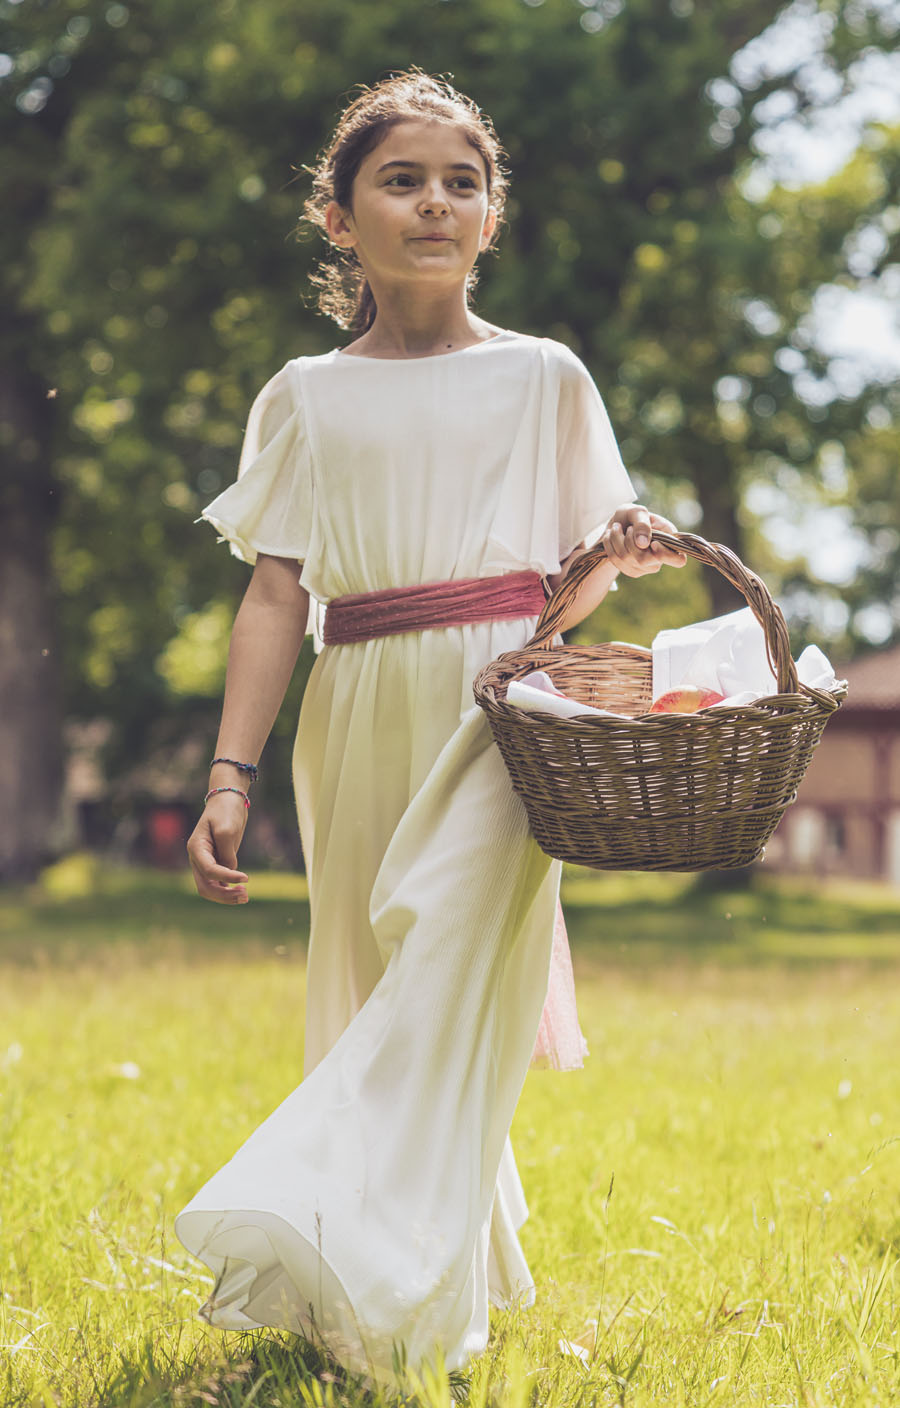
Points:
x=269 y=507
x=593 y=481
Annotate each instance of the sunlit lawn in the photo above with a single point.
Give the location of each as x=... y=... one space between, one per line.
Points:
x=714 y=1199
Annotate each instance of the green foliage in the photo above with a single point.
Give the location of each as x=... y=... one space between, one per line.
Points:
x=193 y=662
x=840 y=453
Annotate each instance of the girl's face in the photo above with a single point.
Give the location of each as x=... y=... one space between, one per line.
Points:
x=424 y=179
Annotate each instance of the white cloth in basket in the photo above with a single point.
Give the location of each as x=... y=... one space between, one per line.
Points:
x=537 y=694
x=728 y=654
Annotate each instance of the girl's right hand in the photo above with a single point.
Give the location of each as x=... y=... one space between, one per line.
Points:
x=212 y=850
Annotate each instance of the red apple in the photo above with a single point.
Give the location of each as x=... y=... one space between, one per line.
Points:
x=687 y=699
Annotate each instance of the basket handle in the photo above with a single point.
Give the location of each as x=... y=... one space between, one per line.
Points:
x=755 y=591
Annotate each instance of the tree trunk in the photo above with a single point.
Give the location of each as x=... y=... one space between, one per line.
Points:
x=30 y=694
x=717 y=495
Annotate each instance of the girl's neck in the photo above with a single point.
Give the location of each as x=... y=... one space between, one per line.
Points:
x=397 y=337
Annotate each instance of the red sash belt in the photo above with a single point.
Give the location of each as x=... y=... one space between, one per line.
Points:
x=367 y=615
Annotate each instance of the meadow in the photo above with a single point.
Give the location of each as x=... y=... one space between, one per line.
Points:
x=714 y=1212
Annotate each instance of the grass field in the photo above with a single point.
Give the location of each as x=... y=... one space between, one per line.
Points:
x=714 y=1199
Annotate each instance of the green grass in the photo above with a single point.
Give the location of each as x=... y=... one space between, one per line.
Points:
x=714 y=1214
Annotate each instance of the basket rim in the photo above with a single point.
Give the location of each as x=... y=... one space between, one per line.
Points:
x=499 y=673
x=758 y=711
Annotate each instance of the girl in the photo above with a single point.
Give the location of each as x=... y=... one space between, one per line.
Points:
x=378 y=1205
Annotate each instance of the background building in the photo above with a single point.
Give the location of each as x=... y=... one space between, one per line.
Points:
x=846 y=820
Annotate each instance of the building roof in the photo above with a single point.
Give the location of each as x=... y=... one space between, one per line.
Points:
x=874 y=680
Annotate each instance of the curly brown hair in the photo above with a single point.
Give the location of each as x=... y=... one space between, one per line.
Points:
x=344 y=292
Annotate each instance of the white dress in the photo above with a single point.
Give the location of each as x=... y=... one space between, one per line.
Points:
x=378 y=1205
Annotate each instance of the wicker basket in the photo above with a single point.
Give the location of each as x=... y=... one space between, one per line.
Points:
x=653 y=791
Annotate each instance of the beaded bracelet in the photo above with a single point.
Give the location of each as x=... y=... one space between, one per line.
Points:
x=213 y=790
x=250 y=768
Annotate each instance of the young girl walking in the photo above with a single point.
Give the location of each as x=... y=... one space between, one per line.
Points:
x=421 y=482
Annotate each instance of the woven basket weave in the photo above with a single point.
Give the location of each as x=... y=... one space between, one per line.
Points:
x=653 y=791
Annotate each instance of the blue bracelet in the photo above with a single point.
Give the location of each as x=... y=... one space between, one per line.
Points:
x=250 y=768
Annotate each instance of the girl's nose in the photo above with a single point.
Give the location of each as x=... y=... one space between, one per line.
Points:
x=435 y=201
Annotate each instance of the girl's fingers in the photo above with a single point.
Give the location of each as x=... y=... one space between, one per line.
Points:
x=667 y=555
x=640 y=527
x=630 y=546
x=614 y=542
x=637 y=518
x=219 y=890
x=624 y=552
x=222 y=874
x=226 y=850
x=220 y=894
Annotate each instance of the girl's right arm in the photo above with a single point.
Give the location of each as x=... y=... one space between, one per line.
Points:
x=265 y=642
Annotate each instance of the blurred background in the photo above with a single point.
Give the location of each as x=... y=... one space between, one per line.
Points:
x=704 y=207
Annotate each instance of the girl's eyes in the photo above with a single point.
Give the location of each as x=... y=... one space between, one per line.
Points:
x=403 y=177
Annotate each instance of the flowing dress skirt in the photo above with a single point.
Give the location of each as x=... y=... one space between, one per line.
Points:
x=377 y=1206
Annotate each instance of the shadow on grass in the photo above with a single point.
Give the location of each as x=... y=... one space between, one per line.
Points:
x=268 y=1369
x=640 y=918
x=265 y=1372
x=82 y=909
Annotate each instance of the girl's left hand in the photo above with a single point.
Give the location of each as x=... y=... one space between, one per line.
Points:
x=629 y=543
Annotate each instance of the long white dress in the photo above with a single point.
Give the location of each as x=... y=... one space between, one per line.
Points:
x=378 y=1205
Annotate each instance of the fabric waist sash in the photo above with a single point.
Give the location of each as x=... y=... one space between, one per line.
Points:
x=368 y=615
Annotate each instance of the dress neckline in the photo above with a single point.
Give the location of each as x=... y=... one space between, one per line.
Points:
x=428 y=357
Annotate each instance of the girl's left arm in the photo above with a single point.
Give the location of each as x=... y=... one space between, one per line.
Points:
x=630 y=548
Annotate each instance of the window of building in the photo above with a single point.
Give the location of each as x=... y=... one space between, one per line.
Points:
x=835 y=834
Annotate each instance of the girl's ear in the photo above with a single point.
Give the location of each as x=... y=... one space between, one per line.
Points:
x=339 y=231
x=487 y=232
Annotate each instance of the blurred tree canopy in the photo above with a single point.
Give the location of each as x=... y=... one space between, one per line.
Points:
x=152 y=280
